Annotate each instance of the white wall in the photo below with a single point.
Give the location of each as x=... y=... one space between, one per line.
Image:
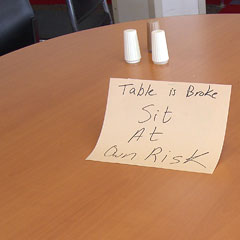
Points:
x=130 y=10
x=179 y=7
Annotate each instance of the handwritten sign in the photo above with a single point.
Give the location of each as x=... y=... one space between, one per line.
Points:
x=171 y=125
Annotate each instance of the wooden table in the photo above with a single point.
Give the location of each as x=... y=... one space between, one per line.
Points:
x=52 y=104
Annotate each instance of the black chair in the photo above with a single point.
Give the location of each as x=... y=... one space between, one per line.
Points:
x=17 y=25
x=85 y=14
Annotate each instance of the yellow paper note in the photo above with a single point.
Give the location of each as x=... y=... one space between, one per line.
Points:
x=171 y=125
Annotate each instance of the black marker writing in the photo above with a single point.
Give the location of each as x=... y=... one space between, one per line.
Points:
x=154 y=133
x=193 y=157
x=149 y=115
x=138 y=134
x=138 y=91
x=112 y=152
x=157 y=155
x=166 y=117
x=210 y=92
x=154 y=153
x=172 y=92
x=176 y=158
x=124 y=87
x=153 y=114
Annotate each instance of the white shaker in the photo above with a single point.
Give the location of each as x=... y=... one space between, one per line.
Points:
x=159 y=47
x=132 y=52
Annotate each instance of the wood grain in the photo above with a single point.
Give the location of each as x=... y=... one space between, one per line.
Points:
x=52 y=104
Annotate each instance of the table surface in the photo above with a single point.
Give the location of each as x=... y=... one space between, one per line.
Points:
x=52 y=103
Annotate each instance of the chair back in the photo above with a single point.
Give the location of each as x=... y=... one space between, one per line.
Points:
x=17 y=25
x=79 y=10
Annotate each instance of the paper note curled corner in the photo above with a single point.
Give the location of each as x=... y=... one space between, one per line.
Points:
x=170 y=125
